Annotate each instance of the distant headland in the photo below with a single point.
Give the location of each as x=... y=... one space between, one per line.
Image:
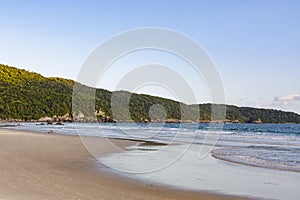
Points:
x=28 y=96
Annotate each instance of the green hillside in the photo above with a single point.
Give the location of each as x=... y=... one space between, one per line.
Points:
x=29 y=96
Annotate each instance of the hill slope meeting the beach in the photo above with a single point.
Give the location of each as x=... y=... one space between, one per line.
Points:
x=28 y=96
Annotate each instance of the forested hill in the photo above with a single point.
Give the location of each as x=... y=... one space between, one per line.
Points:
x=29 y=96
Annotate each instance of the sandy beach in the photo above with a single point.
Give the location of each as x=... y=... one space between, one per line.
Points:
x=36 y=166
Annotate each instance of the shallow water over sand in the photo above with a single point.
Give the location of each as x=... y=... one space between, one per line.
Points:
x=273 y=148
x=209 y=174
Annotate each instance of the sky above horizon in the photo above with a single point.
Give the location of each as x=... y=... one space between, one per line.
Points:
x=255 y=45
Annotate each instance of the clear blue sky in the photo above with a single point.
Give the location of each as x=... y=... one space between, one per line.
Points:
x=254 y=44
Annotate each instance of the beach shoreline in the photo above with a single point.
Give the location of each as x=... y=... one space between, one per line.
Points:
x=51 y=166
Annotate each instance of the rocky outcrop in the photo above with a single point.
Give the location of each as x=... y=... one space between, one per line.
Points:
x=57 y=119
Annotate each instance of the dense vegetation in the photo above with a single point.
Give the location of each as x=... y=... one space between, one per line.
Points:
x=29 y=96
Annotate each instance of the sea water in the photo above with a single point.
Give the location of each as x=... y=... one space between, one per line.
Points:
x=256 y=160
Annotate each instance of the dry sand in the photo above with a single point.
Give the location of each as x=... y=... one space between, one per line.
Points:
x=35 y=166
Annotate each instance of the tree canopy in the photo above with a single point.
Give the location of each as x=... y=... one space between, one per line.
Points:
x=30 y=96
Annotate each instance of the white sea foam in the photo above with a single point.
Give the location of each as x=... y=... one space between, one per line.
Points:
x=261 y=145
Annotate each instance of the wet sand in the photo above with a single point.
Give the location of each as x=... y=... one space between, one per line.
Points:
x=35 y=166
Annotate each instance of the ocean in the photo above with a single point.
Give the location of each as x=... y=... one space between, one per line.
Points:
x=255 y=160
